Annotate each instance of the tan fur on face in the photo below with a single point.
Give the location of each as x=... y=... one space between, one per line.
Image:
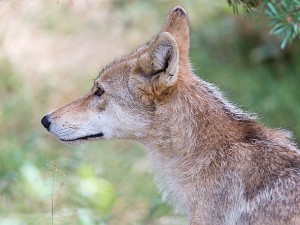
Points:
x=210 y=160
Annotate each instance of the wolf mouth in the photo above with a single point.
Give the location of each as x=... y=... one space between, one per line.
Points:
x=84 y=137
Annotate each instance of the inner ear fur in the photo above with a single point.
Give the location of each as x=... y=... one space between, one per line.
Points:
x=160 y=64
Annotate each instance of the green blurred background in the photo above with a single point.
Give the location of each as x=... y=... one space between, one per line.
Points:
x=50 y=52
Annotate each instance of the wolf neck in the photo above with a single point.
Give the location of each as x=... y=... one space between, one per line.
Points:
x=197 y=120
x=187 y=133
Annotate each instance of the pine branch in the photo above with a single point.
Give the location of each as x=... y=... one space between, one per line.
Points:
x=283 y=16
x=247 y=5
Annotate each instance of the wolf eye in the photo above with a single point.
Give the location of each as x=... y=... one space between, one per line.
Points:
x=99 y=92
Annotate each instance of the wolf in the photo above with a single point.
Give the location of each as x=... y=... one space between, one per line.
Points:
x=211 y=161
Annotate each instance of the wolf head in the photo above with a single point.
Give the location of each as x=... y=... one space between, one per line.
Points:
x=126 y=94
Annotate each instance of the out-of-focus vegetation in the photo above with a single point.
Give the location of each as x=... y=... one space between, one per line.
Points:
x=49 y=54
x=283 y=16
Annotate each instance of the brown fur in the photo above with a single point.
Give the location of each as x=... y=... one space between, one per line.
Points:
x=209 y=159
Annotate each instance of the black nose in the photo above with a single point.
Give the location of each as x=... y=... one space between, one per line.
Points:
x=46 y=123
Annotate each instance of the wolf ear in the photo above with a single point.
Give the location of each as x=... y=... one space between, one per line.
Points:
x=177 y=24
x=160 y=63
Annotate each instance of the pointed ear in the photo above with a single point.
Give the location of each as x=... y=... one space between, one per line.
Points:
x=160 y=64
x=177 y=24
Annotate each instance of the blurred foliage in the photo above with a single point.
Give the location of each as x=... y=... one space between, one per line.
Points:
x=108 y=182
x=283 y=16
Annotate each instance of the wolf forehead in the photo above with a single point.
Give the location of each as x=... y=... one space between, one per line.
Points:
x=123 y=64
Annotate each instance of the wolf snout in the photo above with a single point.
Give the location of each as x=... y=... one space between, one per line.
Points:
x=45 y=121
